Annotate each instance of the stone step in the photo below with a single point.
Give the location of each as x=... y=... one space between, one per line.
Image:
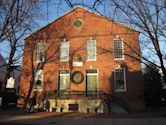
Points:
x=117 y=109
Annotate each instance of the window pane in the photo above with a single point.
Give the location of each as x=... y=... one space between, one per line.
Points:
x=118 y=49
x=92 y=82
x=119 y=80
x=64 y=82
x=41 y=52
x=91 y=50
x=64 y=51
x=38 y=80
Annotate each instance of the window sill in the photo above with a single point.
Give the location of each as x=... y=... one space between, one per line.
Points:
x=118 y=58
x=40 y=61
x=121 y=90
x=77 y=64
x=39 y=90
x=64 y=60
x=88 y=60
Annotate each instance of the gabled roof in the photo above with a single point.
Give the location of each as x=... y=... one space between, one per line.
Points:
x=78 y=8
x=109 y=19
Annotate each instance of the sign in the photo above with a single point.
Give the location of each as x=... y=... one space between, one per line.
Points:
x=77 y=63
x=77 y=60
x=10 y=82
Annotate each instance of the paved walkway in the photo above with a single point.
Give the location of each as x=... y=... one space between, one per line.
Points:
x=15 y=117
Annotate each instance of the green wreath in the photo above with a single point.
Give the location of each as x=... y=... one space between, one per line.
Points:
x=77 y=77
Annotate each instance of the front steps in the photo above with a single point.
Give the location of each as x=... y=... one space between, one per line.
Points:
x=117 y=109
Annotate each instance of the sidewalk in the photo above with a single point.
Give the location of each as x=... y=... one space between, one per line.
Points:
x=147 y=114
x=19 y=117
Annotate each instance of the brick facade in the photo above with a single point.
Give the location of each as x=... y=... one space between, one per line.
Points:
x=94 y=27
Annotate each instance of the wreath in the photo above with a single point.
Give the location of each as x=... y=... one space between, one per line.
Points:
x=77 y=77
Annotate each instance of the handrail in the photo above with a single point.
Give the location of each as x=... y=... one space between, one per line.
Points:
x=80 y=94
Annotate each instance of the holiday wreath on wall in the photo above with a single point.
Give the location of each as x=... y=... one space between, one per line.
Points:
x=77 y=77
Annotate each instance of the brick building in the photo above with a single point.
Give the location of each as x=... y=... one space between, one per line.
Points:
x=83 y=61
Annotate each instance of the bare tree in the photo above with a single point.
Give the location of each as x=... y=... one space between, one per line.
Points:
x=147 y=17
x=17 y=21
x=13 y=13
x=33 y=66
x=51 y=39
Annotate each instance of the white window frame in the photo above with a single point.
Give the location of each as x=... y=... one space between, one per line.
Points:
x=62 y=59
x=62 y=74
x=124 y=75
x=42 y=77
x=122 y=49
x=43 y=58
x=90 y=40
x=91 y=74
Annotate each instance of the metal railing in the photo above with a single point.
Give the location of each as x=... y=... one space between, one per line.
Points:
x=80 y=94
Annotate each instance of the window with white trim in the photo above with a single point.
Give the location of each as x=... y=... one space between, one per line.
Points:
x=92 y=82
x=118 y=49
x=120 y=83
x=91 y=50
x=64 y=50
x=41 y=51
x=38 y=80
x=64 y=81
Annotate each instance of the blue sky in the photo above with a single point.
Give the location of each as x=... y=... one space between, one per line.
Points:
x=53 y=10
x=48 y=13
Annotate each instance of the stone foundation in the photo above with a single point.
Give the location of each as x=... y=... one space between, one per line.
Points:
x=87 y=105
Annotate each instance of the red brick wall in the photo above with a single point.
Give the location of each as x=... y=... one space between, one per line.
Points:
x=100 y=29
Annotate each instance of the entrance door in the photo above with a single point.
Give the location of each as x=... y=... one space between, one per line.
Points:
x=92 y=83
x=64 y=82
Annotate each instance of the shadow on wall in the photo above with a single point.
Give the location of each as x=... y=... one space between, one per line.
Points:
x=127 y=88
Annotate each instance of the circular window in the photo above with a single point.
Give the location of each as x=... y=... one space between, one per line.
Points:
x=77 y=23
x=77 y=77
